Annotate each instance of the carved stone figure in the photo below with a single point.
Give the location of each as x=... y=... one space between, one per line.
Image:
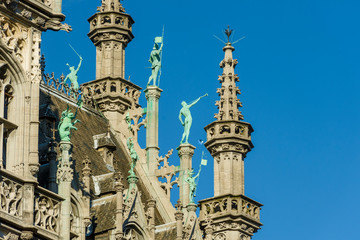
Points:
x=66 y=124
x=185 y=111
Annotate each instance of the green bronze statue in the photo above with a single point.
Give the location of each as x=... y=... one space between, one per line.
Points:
x=72 y=76
x=192 y=183
x=185 y=111
x=66 y=124
x=134 y=156
x=155 y=60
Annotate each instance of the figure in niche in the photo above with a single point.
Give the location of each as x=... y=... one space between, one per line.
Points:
x=185 y=111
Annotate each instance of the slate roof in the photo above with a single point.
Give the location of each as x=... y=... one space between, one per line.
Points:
x=83 y=145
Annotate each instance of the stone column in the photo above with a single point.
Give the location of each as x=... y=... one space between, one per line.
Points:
x=52 y=165
x=151 y=216
x=86 y=174
x=64 y=177
x=152 y=94
x=179 y=216
x=119 y=188
x=185 y=152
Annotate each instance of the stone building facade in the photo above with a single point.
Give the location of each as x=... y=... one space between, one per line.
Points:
x=81 y=189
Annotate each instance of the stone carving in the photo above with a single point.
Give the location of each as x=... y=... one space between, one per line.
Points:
x=47 y=213
x=220 y=236
x=11 y=194
x=26 y=235
x=13 y=37
x=168 y=173
x=64 y=173
x=11 y=236
x=230 y=205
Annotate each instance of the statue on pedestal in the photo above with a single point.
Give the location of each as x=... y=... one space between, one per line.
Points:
x=66 y=124
x=155 y=60
x=185 y=111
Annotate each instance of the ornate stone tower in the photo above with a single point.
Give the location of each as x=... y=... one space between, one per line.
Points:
x=110 y=31
x=229 y=214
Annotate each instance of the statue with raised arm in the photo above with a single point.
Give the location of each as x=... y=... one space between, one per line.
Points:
x=66 y=124
x=72 y=76
x=134 y=156
x=192 y=183
x=155 y=60
x=185 y=111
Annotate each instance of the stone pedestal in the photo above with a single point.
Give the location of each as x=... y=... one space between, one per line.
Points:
x=179 y=216
x=64 y=178
x=185 y=152
x=152 y=94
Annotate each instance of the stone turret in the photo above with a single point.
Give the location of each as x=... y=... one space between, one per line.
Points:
x=228 y=141
x=111 y=31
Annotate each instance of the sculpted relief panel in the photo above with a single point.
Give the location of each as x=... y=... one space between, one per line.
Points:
x=13 y=38
x=11 y=194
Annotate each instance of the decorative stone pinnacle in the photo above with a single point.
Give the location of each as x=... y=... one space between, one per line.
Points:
x=86 y=171
x=178 y=206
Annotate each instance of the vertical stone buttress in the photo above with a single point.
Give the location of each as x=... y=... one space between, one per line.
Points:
x=228 y=141
x=152 y=94
x=110 y=32
x=119 y=188
x=64 y=177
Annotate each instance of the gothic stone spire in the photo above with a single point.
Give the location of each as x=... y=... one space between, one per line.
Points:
x=229 y=103
x=228 y=141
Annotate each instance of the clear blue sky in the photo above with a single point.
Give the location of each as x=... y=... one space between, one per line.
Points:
x=299 y=69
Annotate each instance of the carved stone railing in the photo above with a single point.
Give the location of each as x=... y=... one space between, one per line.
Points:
x=167 y=173
x=85 y=94
x=47 y=210
x=11 y=196
x=230 y=205
x=48 y=3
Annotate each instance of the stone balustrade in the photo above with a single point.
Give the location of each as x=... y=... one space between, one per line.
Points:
x=230 y=205
x=24 y=202
x=11 y=196
x=232 y=129
x=47 y=210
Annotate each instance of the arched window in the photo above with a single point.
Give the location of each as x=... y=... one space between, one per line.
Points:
x=6 y=126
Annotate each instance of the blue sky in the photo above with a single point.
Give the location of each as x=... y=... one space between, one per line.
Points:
x=299 y=76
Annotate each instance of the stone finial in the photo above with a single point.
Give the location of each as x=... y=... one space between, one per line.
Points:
x=111 y=5
x=86 y=171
